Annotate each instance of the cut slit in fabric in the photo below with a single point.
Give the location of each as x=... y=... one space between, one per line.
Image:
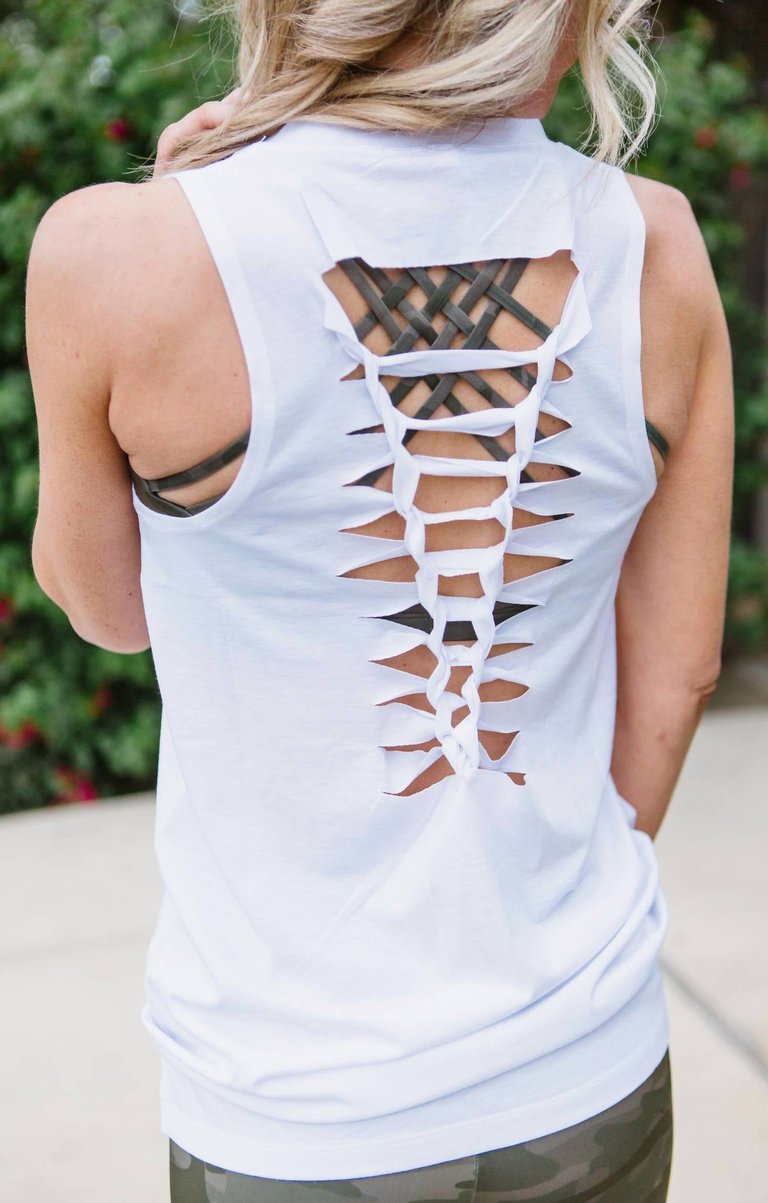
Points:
x=439 y=728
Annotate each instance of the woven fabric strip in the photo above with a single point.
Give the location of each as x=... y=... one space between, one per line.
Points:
x=441 y=365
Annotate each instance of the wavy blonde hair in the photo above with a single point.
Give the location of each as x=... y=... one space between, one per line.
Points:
x=482 y=58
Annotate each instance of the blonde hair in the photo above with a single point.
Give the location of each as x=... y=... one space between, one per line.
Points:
x=483 y=58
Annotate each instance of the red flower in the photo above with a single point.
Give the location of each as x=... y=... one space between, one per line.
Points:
x=741 y=176
x=706 y=137
x=74 y=786
x=86 y=790
x=100 y=701
x=26 y=734
x=6 y=609
x=118 y=129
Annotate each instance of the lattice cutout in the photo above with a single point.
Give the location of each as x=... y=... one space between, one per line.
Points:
x=461 y=444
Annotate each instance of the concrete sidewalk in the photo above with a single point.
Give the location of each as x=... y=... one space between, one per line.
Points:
x=80 y=1075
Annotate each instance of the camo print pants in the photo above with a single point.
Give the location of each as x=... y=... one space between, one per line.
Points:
x=621 y=1155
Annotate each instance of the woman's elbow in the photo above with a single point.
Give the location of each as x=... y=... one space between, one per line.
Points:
x=704 y=682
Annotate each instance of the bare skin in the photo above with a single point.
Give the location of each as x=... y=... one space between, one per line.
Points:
x=135 y=358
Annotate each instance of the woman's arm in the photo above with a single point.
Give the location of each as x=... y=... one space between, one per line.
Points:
x=86 y=546
x=672 y=590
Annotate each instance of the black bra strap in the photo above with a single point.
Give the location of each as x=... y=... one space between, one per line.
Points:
x=164 y=505
x=205 y=468
x=147 y=488
x=657 y=438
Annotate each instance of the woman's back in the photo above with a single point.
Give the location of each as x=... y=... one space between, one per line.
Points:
x=401 y=886
x=408 y=453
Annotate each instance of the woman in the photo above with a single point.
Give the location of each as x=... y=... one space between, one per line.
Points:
x=403 y=436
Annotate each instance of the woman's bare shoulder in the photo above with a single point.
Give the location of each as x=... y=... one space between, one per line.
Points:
x=683 y=317
x=126 y=260
x=98 y=206
x=677 y=264
x=105 y=230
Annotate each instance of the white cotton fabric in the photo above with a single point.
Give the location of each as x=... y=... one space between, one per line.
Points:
x=343 y=982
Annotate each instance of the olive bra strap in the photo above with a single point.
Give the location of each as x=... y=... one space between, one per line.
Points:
x=657 y=438
x=148 y=487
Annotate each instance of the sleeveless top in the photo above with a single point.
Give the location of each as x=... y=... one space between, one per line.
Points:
x=407 y=916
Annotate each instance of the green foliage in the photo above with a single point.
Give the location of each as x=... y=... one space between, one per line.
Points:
x=87 y=88
x=712 y=144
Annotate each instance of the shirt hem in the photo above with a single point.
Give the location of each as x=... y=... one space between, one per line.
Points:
x=298 y=1161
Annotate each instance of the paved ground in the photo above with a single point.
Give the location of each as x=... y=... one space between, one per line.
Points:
x=79 y=1073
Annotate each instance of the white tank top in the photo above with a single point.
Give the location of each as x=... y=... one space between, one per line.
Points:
x=407 y=915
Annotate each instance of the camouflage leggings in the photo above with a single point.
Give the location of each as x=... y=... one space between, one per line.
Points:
x=621 y=1155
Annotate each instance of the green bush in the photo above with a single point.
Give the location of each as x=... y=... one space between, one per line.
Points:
x=86 y=90
x=712 y=143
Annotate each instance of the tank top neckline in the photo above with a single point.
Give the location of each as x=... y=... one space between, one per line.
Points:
x=476 y=134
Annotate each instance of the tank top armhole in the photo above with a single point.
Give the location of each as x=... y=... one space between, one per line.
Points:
x=202 y=200
x=631 y=357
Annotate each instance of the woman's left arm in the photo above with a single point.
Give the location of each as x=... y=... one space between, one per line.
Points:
x=85 y=545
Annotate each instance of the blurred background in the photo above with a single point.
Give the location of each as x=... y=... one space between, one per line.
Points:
x=86 y=86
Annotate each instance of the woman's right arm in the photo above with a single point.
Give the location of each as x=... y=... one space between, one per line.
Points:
x=671 y=597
